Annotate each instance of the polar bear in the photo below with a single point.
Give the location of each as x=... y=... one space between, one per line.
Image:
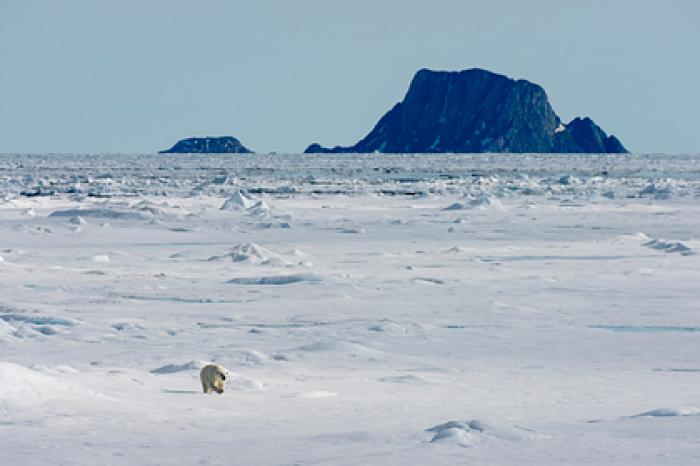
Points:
x=213 y=377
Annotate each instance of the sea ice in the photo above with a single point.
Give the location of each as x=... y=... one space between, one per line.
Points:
x=542 y=297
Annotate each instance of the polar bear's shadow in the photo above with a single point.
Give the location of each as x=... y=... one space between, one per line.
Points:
x=180 y=392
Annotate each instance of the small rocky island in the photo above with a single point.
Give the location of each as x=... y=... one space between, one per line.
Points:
x=477 y=111
x=208 y=145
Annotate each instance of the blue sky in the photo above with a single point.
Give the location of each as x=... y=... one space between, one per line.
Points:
x=135 y=76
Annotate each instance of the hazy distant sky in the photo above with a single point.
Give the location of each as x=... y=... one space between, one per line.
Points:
x=135 y=76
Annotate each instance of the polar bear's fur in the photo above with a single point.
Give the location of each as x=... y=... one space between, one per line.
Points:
x=213 y=377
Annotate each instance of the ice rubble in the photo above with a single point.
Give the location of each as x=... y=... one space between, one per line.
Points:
x=669 y=246
x=252 y=253
x=506 y=175
x=483 y=202
x=21 y=325
x=240 y=200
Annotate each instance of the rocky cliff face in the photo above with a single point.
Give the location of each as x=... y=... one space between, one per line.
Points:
x=477 y=111
x=208 y=145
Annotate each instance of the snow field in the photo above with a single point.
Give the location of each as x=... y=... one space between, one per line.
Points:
x=550 y=319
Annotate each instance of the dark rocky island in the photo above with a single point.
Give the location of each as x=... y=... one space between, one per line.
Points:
x=477 y=111
x=208 y=145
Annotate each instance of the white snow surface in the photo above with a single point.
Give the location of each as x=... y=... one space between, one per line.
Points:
x=550 y=317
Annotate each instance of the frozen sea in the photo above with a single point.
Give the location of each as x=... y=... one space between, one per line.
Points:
x=371 y=309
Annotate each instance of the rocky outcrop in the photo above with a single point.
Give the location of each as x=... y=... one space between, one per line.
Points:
x=208 y=145
x=582 y=135
x=477 y=111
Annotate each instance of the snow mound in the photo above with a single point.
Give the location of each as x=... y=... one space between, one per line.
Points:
x=21 y=388
x=253 y=254
x=455 y=435
x=243 y=383
x=60 y=369
x=240 y=200
x=7 y=331
x=669 y=246
x=670 y=412
x=247 y=357
x=458 y=250
x=465 y=433
x=406 y=379
x=103 y=213
x=173 y=368
x=332 y=346
x=127 y=326
x=315 y=394
x=389 y=327
x=277 y=279
x=184 y=255
x=638 y=236
x=296 y=253
x=330 y=349
x=483 y=202
x=427 y=281
x=356 y=231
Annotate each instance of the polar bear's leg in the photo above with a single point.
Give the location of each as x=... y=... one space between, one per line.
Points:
x=205 y=377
